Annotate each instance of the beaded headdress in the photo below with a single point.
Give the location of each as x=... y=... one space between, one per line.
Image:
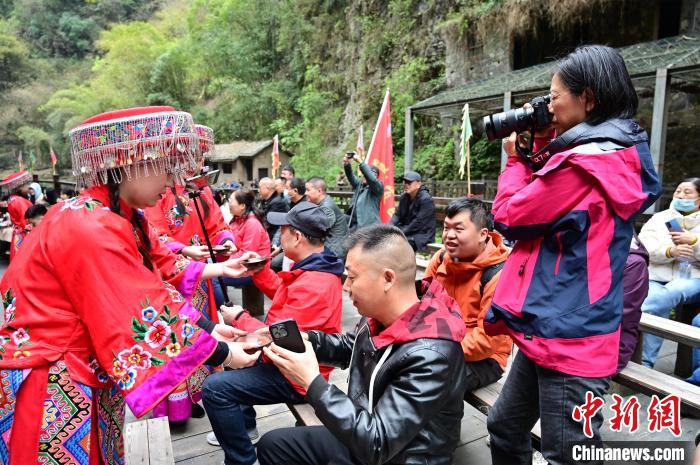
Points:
x=148 y=140
x=13 y=181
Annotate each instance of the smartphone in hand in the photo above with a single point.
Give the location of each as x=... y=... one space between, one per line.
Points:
x=286 y=334
x=674 y=225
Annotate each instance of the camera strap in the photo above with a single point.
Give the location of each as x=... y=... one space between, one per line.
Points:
x=559 y=144
x=618 y=132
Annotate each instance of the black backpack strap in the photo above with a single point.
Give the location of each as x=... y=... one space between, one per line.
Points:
x=488 y=274
x=442 y=256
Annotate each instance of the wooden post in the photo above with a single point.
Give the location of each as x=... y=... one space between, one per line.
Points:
x=35 y=178
x=507 y=103
x=684 y=353
x=659 y=118
x=408 y=141
x=57 y=182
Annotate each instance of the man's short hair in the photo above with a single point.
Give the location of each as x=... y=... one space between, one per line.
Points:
x=289 y=168
x=298 y=184
x=35 y=211
x=318 y=183
x=479 y=213
x=267 y=182
x=388 y=247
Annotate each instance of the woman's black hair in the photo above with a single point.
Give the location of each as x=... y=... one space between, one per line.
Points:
x=143 y=243
x=695 y=182
x=247 y=197
x=51 y=196
x=602 y=70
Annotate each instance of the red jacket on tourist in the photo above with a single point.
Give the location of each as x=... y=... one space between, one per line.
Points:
x=250 y=235
x=311 y=293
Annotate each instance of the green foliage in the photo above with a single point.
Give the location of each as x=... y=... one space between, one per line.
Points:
x=68 y=28
x=485 y=158
x=14 y=61
x=311 y=71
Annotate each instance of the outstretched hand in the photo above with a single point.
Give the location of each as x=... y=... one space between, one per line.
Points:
x=302 y=368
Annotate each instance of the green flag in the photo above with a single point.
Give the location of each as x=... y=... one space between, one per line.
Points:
x=32 y=160
x=464 y=146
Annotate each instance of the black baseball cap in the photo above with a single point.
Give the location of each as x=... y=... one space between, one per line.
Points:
x=411 y=176
x=306 y=217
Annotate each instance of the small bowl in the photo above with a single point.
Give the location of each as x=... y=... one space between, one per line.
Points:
x=220 y=250
x=255 y=263
x=260 y=341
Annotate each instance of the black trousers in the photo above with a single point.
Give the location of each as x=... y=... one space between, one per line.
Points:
x=481 y=373
x=303 y=445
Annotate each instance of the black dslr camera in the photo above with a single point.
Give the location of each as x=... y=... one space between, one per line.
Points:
x=500 y=125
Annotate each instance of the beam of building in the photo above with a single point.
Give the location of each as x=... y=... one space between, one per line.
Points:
x=408 y=149
x=659 y=119
x=507 y=103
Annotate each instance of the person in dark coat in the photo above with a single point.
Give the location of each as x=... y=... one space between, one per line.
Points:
x=415 y=215
x=635 y=282
x=271 y=202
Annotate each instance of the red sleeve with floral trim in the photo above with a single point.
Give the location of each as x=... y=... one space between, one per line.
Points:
x=85 y=296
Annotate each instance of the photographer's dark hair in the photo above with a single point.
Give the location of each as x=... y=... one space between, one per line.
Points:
x=35 y=211
x=479 y=212
x=298 y=184
x=602 y=70
x=247 y=197
x=695 y=182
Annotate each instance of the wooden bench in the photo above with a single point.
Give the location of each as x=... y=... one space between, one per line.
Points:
x=147 y=442
x=679 y=330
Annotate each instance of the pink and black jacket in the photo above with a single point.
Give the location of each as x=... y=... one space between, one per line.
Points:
x=560 y=292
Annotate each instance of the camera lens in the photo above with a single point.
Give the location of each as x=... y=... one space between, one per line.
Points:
x=500 y=125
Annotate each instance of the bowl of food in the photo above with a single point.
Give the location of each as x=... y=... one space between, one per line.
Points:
x=220 y=250
x=256 y=263
x=258 y=340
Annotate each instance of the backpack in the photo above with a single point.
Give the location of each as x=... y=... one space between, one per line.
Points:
x=486 y=276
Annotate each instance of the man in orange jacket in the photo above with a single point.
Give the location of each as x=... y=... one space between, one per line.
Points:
x=468 y=268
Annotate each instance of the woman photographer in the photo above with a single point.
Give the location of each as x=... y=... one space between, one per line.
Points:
x=570 y=205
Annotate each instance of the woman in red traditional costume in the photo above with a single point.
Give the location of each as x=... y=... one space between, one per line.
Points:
x=175 y=221
x=16 y=186
x=89 y=325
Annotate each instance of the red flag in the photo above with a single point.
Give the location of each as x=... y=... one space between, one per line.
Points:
x=275 y=155
x=381 y=155
x=54 y=159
